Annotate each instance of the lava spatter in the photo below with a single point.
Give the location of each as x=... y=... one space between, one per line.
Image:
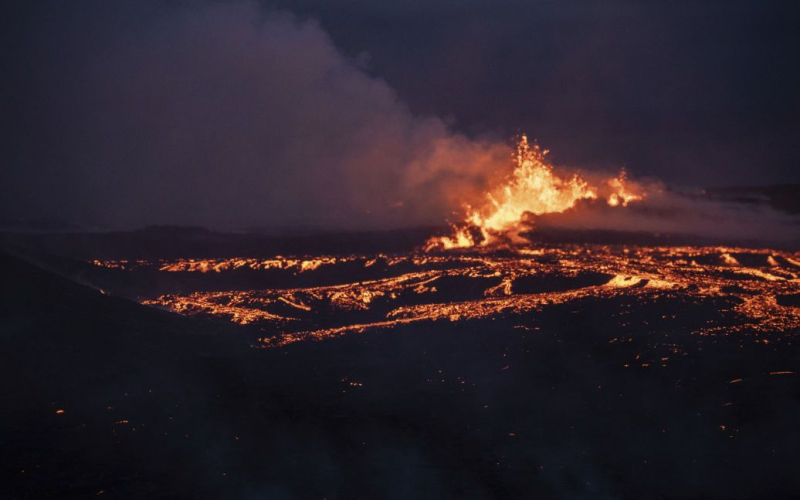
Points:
x=534 y=188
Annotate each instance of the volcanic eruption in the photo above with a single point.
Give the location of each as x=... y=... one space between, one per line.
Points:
x=254 y=253
x=534 y=188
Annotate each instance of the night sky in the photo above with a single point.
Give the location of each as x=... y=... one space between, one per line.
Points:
x=373 y=113
x=692 y=92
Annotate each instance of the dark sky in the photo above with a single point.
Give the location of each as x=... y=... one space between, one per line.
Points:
x=697 y=92
x=371 y=112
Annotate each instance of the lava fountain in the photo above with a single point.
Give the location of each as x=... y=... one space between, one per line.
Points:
x=534 y=188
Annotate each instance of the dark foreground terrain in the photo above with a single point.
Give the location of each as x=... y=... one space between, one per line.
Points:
x=563 y=373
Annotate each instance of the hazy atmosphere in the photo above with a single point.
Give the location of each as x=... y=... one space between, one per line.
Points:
x=238 y=115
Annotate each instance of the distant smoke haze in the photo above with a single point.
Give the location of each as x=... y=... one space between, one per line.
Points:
x=667 y=211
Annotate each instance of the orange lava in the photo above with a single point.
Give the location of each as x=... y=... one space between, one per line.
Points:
x=482 y=285
x=534 y=188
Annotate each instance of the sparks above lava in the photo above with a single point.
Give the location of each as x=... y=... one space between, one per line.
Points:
x=534 y=188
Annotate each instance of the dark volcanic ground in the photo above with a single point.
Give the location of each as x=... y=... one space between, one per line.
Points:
x=608 y=395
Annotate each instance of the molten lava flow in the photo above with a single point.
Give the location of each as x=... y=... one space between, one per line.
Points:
x=750 y=293
x=533 y=189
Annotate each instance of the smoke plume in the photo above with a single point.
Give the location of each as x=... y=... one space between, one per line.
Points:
x=230 y=116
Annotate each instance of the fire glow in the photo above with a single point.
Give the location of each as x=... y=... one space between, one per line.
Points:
x=534 y=188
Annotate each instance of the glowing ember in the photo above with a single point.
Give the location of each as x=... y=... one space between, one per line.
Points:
x=533 y=189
